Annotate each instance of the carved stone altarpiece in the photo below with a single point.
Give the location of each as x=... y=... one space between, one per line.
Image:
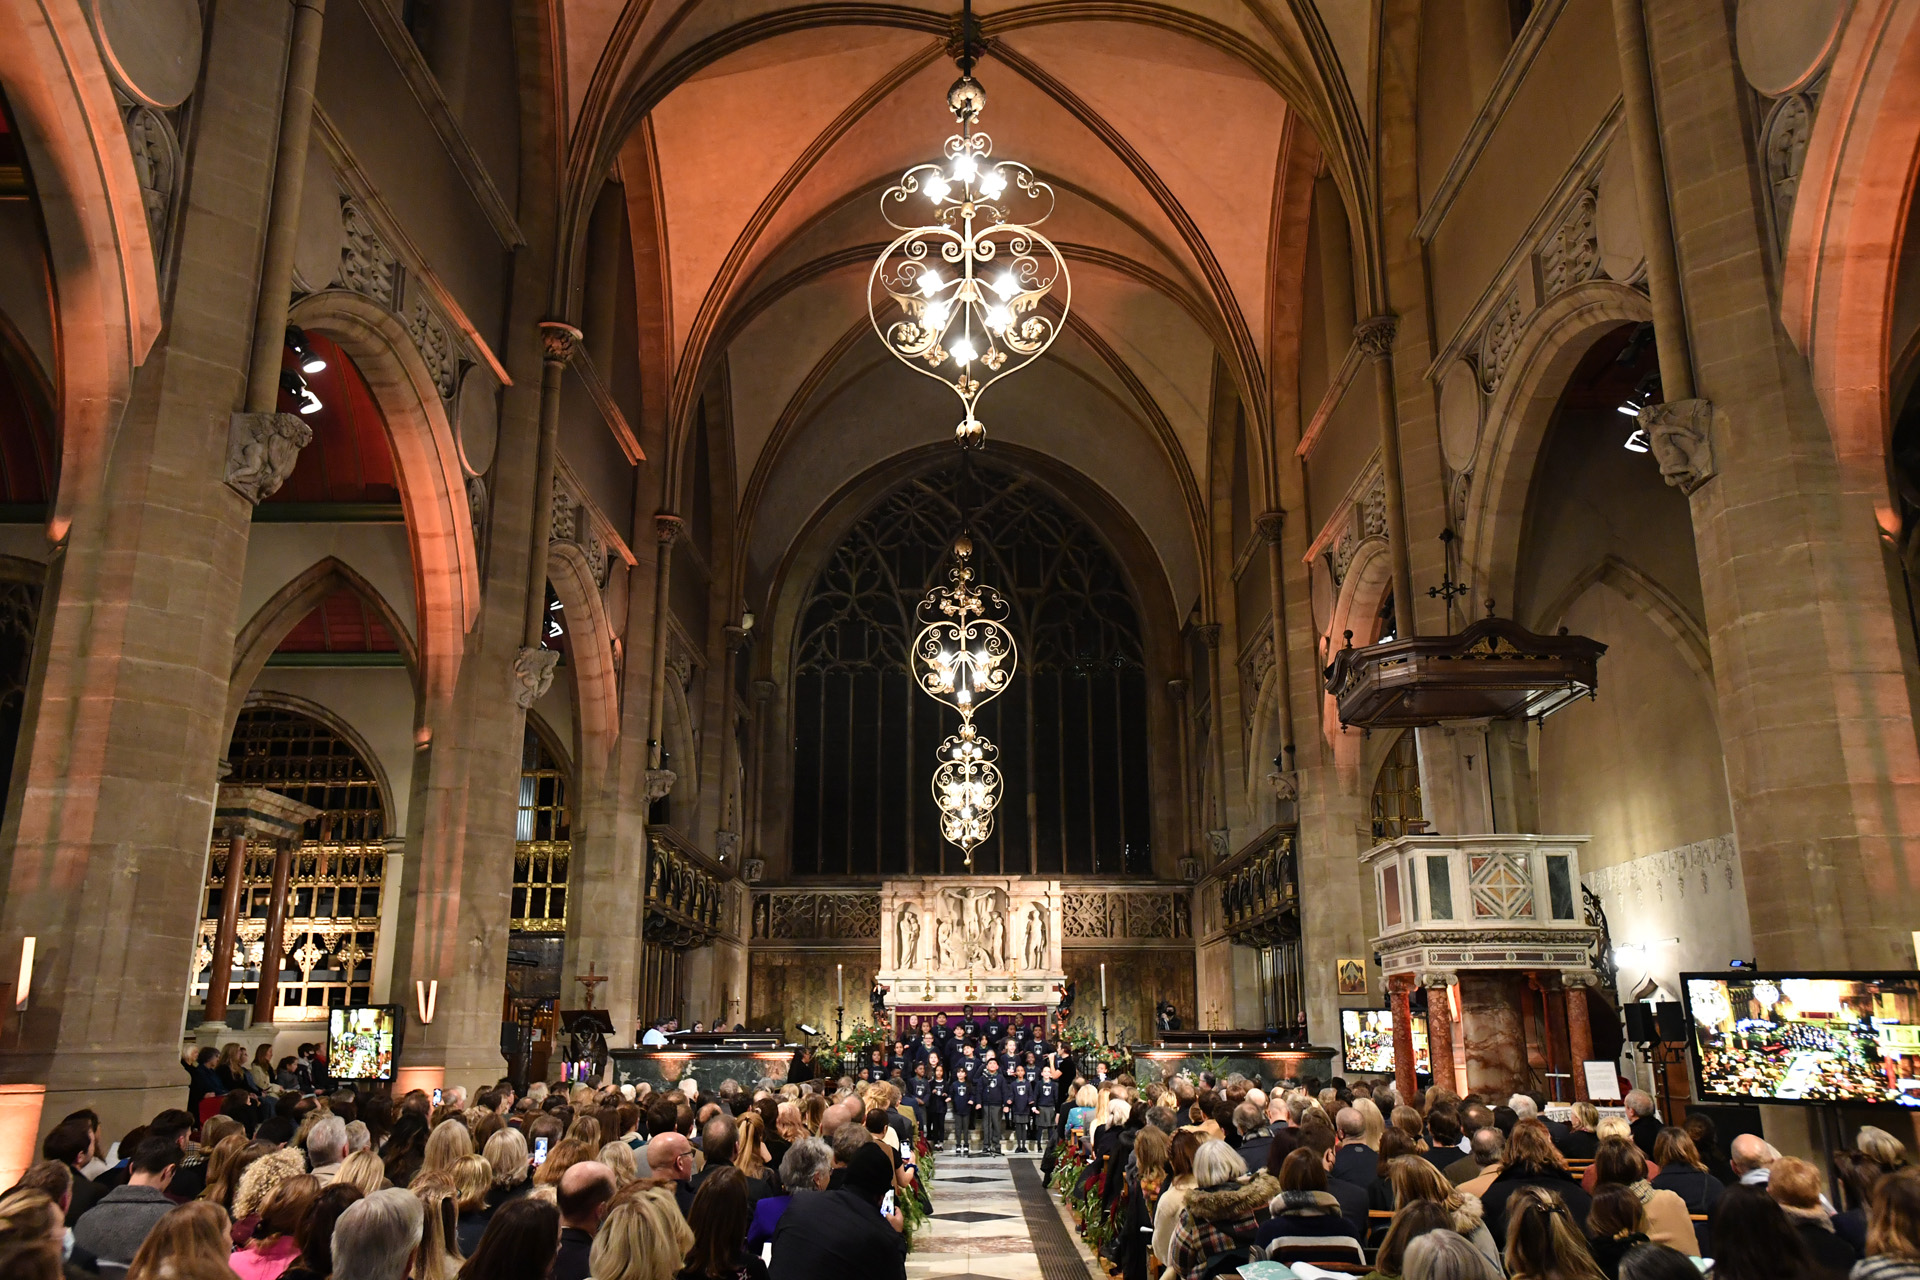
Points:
x=971 y=939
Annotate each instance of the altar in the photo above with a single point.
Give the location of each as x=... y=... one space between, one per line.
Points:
x=989 y=941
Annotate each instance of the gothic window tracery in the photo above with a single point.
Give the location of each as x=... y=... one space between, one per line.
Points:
x=1072 y=729
x=543 y=841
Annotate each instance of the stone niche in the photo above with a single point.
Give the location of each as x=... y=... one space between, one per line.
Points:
x=971 y=940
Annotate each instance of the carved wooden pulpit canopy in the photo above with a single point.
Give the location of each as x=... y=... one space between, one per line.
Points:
x=1493 y=669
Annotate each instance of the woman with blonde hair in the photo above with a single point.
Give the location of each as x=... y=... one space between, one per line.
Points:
x=1375 y=1124
x=1414 y=1179
x=1893 y=1229
x=1166 y=1212
x=191 y=1239
x=224 y=1167
x=1543 y=1240
x=750 y=1154
x=437 y=1257
x=1444 y=1255
x=619 y=1157
x=449 y=1140
x=472 y=1181
x=257 y=1185
x=507 y=1155
x=812 y=1108
x=642 y=1238
x=586 y=1129
x=364 y=1170
x=788 y=1123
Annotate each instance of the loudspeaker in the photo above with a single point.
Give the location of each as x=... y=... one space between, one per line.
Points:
x=1640 y=1026
x=1670 y=1020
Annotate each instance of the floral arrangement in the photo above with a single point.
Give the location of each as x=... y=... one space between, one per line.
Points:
x=1087 y=1049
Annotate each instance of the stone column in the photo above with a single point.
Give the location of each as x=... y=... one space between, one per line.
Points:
x=533 y=667
x=667 y=528
x=1217 y=848
x=1375 y=338
x=1270 y=526
x=266 y=998
x=1400 y=992
x=1440 y=1032
x=726 y=840
x=1579 y=1035
x=762 y=696
x=1650 y=186
x=220 y=976
x=1490 y=1024
x=1177 y=690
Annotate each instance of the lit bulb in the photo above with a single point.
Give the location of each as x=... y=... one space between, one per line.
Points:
x=963 y=351
x=992 y=184
x=1006 y=286
x=930 y=282
x=964 y=168
x=963 y=696
x=998 y=318
x=936 y=188
x=936 y=315
x=311 y=404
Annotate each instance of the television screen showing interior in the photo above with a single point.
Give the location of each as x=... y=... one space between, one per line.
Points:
x=1803 y=1037
x=360 y=1042
x=1366 y=1039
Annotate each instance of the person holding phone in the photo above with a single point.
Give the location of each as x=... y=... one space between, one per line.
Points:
x=960 y=1097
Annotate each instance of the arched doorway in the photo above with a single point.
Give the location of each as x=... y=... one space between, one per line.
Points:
x=326 y=953
x=1072 y=729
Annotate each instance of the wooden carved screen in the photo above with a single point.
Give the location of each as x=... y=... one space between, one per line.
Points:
x=1072 y=728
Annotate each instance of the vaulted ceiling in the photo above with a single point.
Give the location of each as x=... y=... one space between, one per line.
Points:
x=754 y=139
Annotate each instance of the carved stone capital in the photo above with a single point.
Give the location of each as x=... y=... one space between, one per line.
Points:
x=1269 y=525
x=668 y=527
x=558 y=341
x=1680 y=434
x=1285 y=784
x=532 y=675
x=1177 y=690
x=726 y=845
x=1209 y=633
x=1375 y=337
x=1217 y=843
x=763 y=691
x=660 y=783
x=262 y=449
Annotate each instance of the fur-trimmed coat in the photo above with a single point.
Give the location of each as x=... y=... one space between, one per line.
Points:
x=1216 y=1219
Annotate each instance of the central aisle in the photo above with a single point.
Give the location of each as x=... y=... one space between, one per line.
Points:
x=980 y=1224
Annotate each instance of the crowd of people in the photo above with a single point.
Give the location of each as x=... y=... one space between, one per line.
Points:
x=780 y=1181
x=1197 y=1179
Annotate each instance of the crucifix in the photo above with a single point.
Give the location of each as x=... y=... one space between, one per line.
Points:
x=591 y=981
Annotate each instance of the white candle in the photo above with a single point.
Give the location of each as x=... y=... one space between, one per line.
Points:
x=1103 y=986
x=840 y=984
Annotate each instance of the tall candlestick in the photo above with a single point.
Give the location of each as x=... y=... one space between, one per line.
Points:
x=1103 y=986
x=840 y=983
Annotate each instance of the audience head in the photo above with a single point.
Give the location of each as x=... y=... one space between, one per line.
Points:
x=670 y=1156
x=1531 y=1145
x=718 y=1217
x=619 y=1157
x=449 y=1140
x=1750 y=1152
x=438 y=1255
x=189 y=1239
x=287 y=1207
x=1639 y=1104
x=1410 y=1223
x=364 y=1170
x=262 y=1178
x=1216 y=1163
x=375 y=1237
x=327 y=1142
x=1616 y=1211
x=1418 y=1180
x=1445 y=1128
x=584 y=1190
x=1794 y=1184
x=1446 y=1255
x=1657 y=1262
x=1754 y=1240
x=519 y=1241
x=1893 y=1221
x=1585 y=1117
x=718 y=1138
x=643 y=1238
x=870 y=1173
x=1489 y=1146
x=1303 y=1170
x=472 y=1180
x=506 y=1155
x=1617 y=1162
x=1543 y=1240
x=1523 y=1107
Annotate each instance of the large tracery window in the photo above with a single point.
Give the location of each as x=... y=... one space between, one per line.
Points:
x=325 y=952
x=1072 y=728
x=543 y=841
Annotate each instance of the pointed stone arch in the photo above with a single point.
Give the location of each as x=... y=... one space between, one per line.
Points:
x=262 y=634
x=596 y=681
x=433 y=492
x=1662 y=607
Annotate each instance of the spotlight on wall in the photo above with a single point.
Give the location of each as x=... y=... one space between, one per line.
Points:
x=309 y=360
x=1637 y=442
x=746 y=620
x=303 y=398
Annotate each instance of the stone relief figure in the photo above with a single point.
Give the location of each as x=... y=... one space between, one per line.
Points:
x=1036 y=939
x=943 y=944
x=909 y=956
x=996 y=941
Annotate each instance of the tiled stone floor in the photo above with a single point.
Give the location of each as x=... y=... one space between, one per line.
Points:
x=978 y=1229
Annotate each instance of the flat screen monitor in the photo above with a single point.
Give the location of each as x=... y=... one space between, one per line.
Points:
x=361 y=1041
x=1366 y=1041
x=1813 y=1038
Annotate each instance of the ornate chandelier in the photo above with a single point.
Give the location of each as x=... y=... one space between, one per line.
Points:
x=965 y=656
x=958 y=298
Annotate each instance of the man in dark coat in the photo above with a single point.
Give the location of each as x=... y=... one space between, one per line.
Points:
x=831 y=1235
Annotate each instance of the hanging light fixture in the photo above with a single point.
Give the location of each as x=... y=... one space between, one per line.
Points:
x=957 y=297
x=965 y=657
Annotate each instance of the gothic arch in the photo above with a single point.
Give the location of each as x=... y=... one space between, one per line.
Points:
x=427 y=460
x=1518 y=416
x=101 y=251
x=315 y=711
x=262 y=634
x=1364 y=589
x=1661 y=607
x=589 y=660
x=1843 y=247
